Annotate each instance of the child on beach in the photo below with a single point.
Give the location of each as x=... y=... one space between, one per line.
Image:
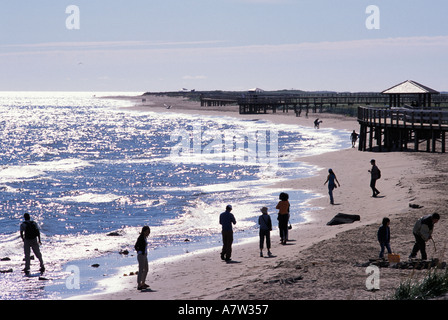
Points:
x=265 y=231
x=384 y=237
x=141 y=246
x=283 y=216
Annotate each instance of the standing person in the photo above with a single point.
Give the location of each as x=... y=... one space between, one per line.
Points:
x=354 y=137
x=226 y=219
x=30 y=234
x=383 y=236
x=375 y=174
x=331 y=178
x=423 y=232
x=141 y=246
x=283 y=216
x=265 y=230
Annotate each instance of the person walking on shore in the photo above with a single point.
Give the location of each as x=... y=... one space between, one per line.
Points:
x=30 y=234
x=283 y=216
x=141 y=246
x=354 y=137
x=422 y=231
x=226 y=219
x=383 y=236
x=331 y=179
x=265 y=231
x=375 y=174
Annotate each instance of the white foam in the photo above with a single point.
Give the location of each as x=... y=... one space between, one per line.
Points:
x=30 y=171
x=90 y=198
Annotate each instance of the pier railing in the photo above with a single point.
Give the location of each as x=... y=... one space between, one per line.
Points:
x=395 y=128
x=404 y=118
x=262 y=102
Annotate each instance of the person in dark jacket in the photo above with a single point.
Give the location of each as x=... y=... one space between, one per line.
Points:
x=265 y=231
x=423 y=232
x=375 y=174
x=226 y=219
x=30 y=234
x=141 y=246
x=384 y=237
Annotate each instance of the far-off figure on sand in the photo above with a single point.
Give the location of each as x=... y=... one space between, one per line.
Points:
x=375 y=174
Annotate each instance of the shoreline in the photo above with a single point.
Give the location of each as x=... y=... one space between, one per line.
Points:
x=252 y=277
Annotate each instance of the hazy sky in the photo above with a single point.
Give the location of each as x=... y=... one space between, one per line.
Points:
x=141 y=45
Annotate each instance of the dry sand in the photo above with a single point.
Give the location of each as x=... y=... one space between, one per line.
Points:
x=323 y=257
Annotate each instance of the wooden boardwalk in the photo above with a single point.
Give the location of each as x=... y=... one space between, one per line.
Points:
x=272 y=103
x=266 y=103
x=216 y=101
x=387 y=129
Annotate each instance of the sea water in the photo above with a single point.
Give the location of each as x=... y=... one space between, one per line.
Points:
x=91 y=172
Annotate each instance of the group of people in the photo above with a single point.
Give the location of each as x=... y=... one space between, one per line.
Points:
x=332 y=180
x=423 y=227
x=227 y=220
x=30 y=234
x=422 y=232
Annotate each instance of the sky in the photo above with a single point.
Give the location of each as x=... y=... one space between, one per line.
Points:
x=167 y=45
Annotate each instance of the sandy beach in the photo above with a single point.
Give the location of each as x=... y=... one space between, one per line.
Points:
x=320 y=262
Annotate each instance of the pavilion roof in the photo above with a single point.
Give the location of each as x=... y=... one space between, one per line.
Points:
x=411 y=87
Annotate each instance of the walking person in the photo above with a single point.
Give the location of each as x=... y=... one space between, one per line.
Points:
x=283 y=216
x=354 y=137
x=265 y=230
x=226 y=219
x=422 y=231
x=331 y=179
x=141 y=246
x=383 y=236
x=30 y=234
x=375 y=174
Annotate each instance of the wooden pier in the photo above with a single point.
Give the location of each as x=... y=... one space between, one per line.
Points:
x=217 y=101
x=267 y=103
x=387 y=129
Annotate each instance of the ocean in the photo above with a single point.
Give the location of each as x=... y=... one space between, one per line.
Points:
x=92 y=171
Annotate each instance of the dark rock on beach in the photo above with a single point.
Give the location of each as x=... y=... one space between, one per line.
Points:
x=342 y=218
x=6 y=271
